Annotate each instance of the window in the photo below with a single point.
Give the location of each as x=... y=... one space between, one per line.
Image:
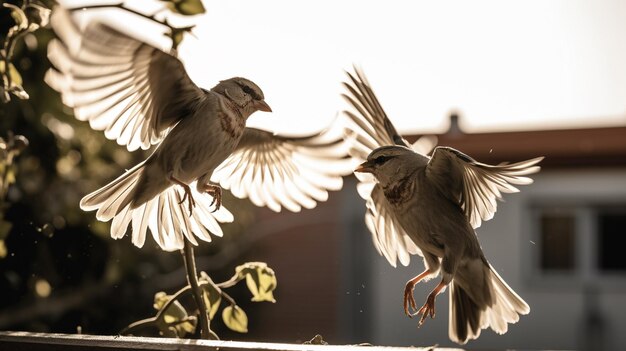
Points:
x=558 y=242
x=579 y=242
x=611 y=235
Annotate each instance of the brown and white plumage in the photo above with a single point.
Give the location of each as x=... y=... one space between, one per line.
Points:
x=430 y=206
x=141 y=96
x=119 y=84
x=477 y=186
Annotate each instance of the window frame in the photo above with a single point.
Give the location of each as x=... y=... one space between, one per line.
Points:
x=586 y=269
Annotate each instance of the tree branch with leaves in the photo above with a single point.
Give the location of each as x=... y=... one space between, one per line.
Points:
x=173 y=320
x=28 y=17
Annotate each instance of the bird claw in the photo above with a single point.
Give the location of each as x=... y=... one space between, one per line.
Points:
x=427 y=310
x=187 y=193
x=409 y=301
x=216 y=192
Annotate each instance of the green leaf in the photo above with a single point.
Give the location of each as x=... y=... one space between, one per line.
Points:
x=185 y=7
x=9 y=176
x=212 y=296
x=235 y=319
x=175 y=322
x=177 y=35
x=177 y=38
x=3 y=249
x=260 y=279
x=16 y=78
x=18 y=16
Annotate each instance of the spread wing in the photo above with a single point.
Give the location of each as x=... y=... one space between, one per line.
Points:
x=129 y=89
x=278 y=171
x=476 y=186
x=370 y=128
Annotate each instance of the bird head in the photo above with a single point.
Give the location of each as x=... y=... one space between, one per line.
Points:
x=243 y=93
x=389 y=164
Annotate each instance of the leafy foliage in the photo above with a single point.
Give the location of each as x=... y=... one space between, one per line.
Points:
x=28 y=18
x=173 y=320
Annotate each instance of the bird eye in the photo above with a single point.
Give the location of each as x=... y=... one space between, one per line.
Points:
x=381 y=159
x=248 y=90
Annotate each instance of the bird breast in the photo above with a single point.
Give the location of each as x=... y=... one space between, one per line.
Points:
x=201 y=142
x=231 y=119
x=428 y=218
x=400 y=193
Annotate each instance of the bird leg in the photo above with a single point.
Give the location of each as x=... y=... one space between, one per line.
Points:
x=408 y=292
x=216 y=192
x=429 y=306
x=187 y=190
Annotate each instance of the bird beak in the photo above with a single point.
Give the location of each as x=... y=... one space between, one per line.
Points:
x=365 y=167
x=261 y=105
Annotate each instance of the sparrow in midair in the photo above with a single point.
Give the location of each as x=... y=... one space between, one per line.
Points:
x=141 y=96
x=430 y=206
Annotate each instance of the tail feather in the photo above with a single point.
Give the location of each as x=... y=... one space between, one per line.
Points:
x=510 y=304
x=120 y=223
x=167 y=218
x=465 y=316
x=141 y=219
x=498 y=307
x=112 y=198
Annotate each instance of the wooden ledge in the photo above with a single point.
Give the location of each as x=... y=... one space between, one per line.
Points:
x=10 y=340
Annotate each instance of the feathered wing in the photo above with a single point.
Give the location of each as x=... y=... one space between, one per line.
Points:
x=390 y=240
x=290 y=172
x=476 y=186
x=369 y=128
x=123 y=86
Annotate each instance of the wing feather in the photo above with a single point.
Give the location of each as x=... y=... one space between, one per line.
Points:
x=286 y=172
x=477 y=186
x=370 y=128
x=390 y=240
x=129 y=89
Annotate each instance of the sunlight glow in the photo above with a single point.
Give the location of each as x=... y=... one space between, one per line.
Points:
x=502 y=65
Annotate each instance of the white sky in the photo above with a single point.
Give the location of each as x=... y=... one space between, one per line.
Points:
x=501 y=64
